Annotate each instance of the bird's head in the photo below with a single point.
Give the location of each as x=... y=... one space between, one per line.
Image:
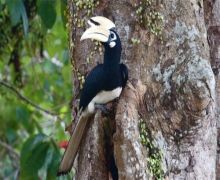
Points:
x=102 y=29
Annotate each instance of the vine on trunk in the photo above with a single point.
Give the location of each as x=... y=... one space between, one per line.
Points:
x=155 y=156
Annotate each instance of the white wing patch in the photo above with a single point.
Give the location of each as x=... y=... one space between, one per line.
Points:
x=104 y=97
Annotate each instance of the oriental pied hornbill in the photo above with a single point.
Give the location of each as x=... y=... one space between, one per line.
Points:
x=103 y=84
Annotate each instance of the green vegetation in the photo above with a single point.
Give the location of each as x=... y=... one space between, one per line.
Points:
x=154 y=154
x=149 y=17
x=83 y=10
x=35 y=87
x=88 y=6
x=135 y=41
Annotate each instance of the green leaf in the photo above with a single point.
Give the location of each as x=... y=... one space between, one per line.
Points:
x=49 y=67
x=33 y=156
x=63 y=9
x=54 y=163
x=24 y=19
x=2 y=1
x=47 y=12
x=17 y=11
x=15 y=14
x=30 y=144
x=66 y=57
x=40 y=157
x=24 y=118
x=11 y=135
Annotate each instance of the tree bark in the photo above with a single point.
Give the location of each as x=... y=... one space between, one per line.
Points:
x=164 y=124
x=212 y=20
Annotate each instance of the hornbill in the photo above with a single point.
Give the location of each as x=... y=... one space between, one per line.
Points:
x=103 y=84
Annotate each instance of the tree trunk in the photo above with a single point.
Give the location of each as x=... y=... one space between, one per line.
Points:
x=212 y=21
x=164 y=125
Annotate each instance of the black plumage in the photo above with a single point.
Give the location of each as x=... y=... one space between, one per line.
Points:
x=105 y=77
x=103 y=84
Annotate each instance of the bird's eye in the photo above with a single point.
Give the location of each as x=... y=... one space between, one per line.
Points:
x=113 y=36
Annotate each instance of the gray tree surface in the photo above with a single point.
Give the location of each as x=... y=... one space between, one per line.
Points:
x=164 y=124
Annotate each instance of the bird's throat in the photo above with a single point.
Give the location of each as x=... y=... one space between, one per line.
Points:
x=112 y=58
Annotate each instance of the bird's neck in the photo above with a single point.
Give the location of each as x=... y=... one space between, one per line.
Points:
x=112 y=58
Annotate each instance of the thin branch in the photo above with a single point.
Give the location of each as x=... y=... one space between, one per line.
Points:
x=19 y=95
x=13 y=155
x=10 y=149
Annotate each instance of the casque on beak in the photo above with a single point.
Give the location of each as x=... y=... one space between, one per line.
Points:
x=99 y=30
x=101 y=21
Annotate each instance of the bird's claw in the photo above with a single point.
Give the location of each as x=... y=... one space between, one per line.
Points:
x=103 y=108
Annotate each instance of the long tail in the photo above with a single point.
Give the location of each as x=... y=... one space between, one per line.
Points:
x=73 y=146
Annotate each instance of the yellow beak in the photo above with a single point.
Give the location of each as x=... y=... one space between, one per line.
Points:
x=97 y=33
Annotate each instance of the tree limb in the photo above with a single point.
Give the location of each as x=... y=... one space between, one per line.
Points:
x=19 y=95
x=10 y=149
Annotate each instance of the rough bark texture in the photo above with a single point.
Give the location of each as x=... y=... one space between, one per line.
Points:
x=212 y=20
x=92 y=163
x=172 y=90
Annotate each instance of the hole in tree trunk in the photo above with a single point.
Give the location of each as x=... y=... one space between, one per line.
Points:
x=112 y=167
x=109 y=147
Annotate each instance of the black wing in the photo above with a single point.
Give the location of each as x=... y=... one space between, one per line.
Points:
x=92 y=86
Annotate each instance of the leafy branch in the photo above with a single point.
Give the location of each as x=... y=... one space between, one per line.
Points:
x=27 y=101
x=10 y=149
x=14 y=156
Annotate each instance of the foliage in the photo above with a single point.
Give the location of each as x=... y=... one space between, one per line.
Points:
x=154 y=154
x=35 y=87
x=46 y=156
x=149 y=17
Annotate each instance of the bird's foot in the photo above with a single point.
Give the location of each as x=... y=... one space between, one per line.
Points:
x=105 y=110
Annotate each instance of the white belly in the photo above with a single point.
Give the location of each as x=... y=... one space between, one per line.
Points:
x=104 y=97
